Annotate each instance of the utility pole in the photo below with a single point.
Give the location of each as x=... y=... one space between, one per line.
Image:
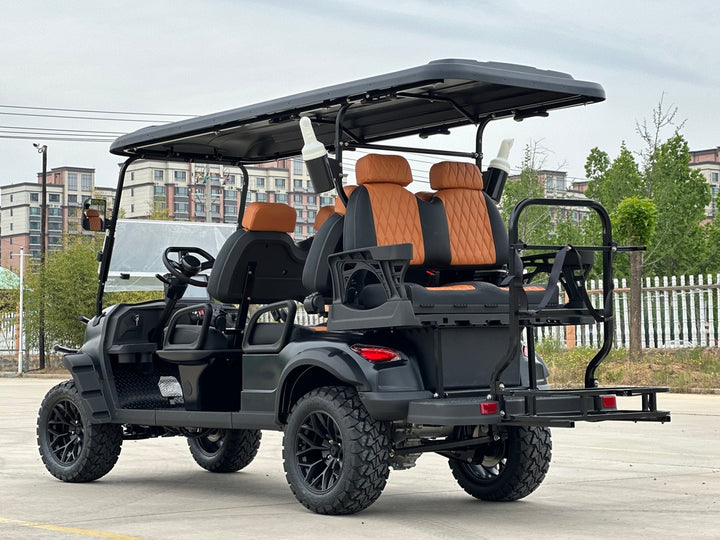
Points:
x=43 y=248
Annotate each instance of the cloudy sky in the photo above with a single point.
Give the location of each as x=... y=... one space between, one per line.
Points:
x=186 y=57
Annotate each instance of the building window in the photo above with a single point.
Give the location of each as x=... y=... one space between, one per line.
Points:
x=132 y=176
x=72 y=181
x=311 y=199
x=181 y=208
x=230 y=210
x=714 y=177
x=72 y=199
x=34 y=225
x=215 y=191
x=54 y=212
x=86 y=182
x=132 y=208
x=298 y=229
x=54 y=197
x=180 y=176
x=34 y=197
x=158 y=175
x=72 y=212
x=298 y=167
x=215 y=209
x=11 y=197
x=297 y=199
x=11 y=226
x=181 y=191
x=34 y=210
x=280 y=183
x=229 y=195
x=297 y=184
x=54 y=240
x=34 y=239
x=325 y=201
x=311 y=215
x=54 y=226
x=11 y=213
x=160 y=190
x=230 y=180
x=262 y=197
x=281 y=197
x=259 y=182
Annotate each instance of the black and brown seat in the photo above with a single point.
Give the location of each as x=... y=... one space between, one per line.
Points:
x=260 y=262
x=457 y=234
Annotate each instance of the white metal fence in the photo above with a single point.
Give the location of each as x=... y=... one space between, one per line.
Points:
x=676 y=312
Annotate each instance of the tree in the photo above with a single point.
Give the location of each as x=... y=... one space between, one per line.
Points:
x=612 y=182
x=535 y=224
x=681 y=194
x=635 y=219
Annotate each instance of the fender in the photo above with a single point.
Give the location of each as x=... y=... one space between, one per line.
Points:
x=88 y=381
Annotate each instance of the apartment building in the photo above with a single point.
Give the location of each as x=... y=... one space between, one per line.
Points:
x=708 y=163
x=20 y=211
x=211 y=192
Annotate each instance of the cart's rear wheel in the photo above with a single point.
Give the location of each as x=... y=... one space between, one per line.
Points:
x=225 y=450
x=335 y=454
x=73 y=449
x=508 y=469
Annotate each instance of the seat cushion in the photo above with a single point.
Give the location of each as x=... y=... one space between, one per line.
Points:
x=469 y=293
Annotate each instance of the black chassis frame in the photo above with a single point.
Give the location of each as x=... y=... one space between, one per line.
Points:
x=394 y=392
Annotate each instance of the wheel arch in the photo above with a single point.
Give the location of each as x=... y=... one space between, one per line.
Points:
x=306 y=376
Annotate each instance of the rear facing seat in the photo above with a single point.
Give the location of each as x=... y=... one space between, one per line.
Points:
x=456 y=233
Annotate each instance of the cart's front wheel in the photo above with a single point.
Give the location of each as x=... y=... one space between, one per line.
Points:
x=225 y=450
x=73 y=449
x=335 y=454
x=509 y=469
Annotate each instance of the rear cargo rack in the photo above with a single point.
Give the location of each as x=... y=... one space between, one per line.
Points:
x=563 y=407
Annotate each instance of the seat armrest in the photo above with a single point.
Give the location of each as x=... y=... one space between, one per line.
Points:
x=387 y=263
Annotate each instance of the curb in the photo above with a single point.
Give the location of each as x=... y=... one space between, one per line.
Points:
x=30 y=375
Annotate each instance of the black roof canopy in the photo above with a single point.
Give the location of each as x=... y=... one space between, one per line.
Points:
x=434 y=97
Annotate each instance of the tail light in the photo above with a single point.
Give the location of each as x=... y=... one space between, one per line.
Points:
x=489 y=407
x=608 y=402
x=376 y=355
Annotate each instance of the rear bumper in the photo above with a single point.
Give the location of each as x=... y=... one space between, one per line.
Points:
x=559 y=408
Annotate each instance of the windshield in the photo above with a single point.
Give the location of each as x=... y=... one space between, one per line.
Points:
x=139 y=245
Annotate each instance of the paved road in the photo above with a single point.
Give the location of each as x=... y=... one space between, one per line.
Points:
x=611 y=480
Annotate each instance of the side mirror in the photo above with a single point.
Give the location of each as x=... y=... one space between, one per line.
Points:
x=93 y=215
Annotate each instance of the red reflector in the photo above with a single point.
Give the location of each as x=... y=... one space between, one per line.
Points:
x=609 y=402
x=489 y=407
x=376 y=354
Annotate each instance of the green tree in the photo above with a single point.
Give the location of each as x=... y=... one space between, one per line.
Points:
x=611 y=182
x=635 y=219
x=680 y=194
x=535 y=224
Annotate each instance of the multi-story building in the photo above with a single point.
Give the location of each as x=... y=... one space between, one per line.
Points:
x=557 y=185
x=20 y=211
x=708 y=163
x=180 y=191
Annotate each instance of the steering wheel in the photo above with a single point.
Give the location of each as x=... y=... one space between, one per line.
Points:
x=188 y=265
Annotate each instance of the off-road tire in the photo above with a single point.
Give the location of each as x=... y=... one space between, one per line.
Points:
x=334 y=453
x=522 y=459
x=225 y=450
x=73 y=449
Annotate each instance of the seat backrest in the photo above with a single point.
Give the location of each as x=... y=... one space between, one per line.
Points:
x=476 y=231
x=328 y=240
x=260 y=262
x=381 y=211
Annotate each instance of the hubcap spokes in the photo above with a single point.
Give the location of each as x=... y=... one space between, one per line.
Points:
x=319 y=452
x=65 y=432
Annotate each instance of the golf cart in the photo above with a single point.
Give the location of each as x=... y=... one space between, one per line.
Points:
x=427 y=339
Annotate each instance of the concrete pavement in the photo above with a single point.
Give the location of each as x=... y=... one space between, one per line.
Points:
x=606 y=480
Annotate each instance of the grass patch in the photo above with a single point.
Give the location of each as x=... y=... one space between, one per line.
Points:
x=679 y=369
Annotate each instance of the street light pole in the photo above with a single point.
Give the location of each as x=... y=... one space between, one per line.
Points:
x=43 y=248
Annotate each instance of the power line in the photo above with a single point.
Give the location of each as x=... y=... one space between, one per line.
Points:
x=117 y=133
x=57 y=139
x=145 y=121
x=93 y=111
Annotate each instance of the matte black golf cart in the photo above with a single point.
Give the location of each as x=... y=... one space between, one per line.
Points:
x=425 y=297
